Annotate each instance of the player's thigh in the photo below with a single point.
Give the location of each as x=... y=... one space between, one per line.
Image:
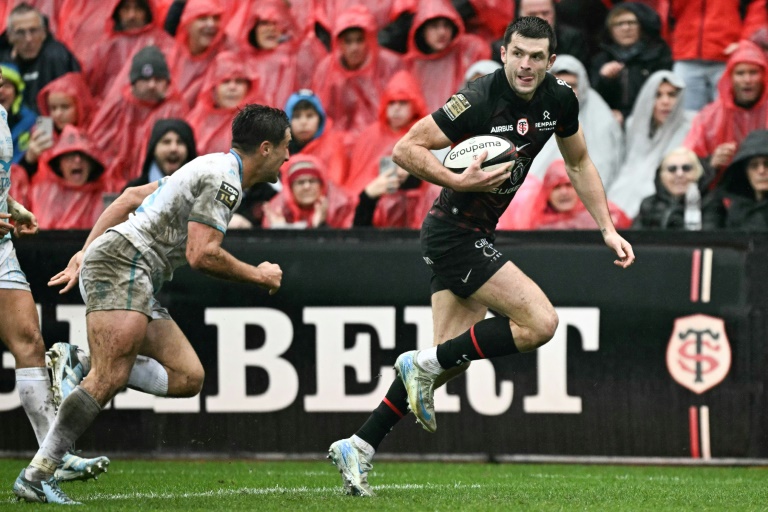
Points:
x=20 y=327
x=452 y=315
x=114 y=339
x=167 y=344
x=513 y=294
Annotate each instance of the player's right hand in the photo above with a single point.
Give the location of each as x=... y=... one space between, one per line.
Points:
x=271 y=276
x=70 y=275
x=475 y=179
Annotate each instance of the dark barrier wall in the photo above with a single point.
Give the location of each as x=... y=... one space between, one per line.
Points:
x=640 y=358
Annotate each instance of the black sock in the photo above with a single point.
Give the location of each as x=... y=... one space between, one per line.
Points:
x=386 y=415
x=485 y=340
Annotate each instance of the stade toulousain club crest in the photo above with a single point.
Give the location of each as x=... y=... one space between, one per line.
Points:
x=522 y=126
x=698 y=354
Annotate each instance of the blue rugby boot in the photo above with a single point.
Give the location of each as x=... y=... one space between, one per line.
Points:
x=420 y=385
x=41 y=491
x=73 y=467
x=353 y=465
x=67 y=370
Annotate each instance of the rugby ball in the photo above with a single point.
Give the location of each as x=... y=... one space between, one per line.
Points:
x=501 y=152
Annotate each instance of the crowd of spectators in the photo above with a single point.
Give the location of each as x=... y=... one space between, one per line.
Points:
x=106 y=94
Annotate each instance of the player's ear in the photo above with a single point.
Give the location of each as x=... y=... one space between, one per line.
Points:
x=551 y=62
x=265 y=148
x=503 y=53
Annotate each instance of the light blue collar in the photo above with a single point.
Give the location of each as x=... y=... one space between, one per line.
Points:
x=239 y=163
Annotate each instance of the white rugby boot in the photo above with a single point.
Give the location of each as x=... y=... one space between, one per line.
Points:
x=353 y=465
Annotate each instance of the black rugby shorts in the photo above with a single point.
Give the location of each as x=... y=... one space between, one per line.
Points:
x=461 y=260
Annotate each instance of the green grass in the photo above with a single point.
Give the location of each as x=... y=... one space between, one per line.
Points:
x=287 y=486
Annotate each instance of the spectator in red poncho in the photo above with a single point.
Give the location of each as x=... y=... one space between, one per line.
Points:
x=67 y=100
x=741 y=107
x=66 y=192
x=228 y=85
x=313 y=133
x=352 y=78
x=120 y=128
x=488 y=18
x=386 y=194
x=82 y=25
x=440 y=52
x=703 y=35
x=557 y=206
x=308 y=199
x=383 y=11
x=131 y=26
x=199 y=37
x=268 y=49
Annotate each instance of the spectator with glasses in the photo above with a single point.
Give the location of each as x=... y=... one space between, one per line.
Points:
x=39 y=57
x=632 y=50
x=666 y=208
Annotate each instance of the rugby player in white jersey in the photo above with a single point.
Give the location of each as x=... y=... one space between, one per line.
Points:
x=135 y=246
x=19 y=323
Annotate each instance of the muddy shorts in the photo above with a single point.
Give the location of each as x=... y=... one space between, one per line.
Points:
x=115 y=276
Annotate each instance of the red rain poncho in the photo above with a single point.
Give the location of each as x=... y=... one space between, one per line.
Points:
x=378 y=139
x=722 y=120
x=329 y=149
x=213 y=125
x=275 y=68
x=187 y=70
x=351 y=97
x=383 y=11
x=84 y=23
x=341 y=208
x=543 y=216
x=399 y=209
x=74 y=86
x=491 y=18
x=441 y=74
x=19 y=184
x=121 y=127
x=58 y=204
x=118 y=47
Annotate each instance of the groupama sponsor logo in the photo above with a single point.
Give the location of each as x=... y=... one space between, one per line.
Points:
x=474 y=148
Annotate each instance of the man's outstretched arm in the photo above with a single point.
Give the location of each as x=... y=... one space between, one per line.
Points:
x=204 y=253
x=588 y=185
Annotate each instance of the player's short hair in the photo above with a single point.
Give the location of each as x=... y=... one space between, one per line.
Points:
x=255 y=124
x=531 y=27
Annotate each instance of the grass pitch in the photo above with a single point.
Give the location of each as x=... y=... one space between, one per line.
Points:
x=288 y=486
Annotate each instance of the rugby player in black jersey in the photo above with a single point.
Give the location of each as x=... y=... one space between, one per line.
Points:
x=525 y=104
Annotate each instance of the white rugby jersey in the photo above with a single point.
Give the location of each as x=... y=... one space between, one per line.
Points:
x=6 y=154
x=207 y=190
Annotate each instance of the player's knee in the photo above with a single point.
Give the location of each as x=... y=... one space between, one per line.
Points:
x=192 y=383
x=27 y=346
x=545 y=328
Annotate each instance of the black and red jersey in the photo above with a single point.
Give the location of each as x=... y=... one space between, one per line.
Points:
x=489 y=106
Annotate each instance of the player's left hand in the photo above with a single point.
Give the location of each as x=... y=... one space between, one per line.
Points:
x=622 y=248
x=271 y=276
x=70 y=275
